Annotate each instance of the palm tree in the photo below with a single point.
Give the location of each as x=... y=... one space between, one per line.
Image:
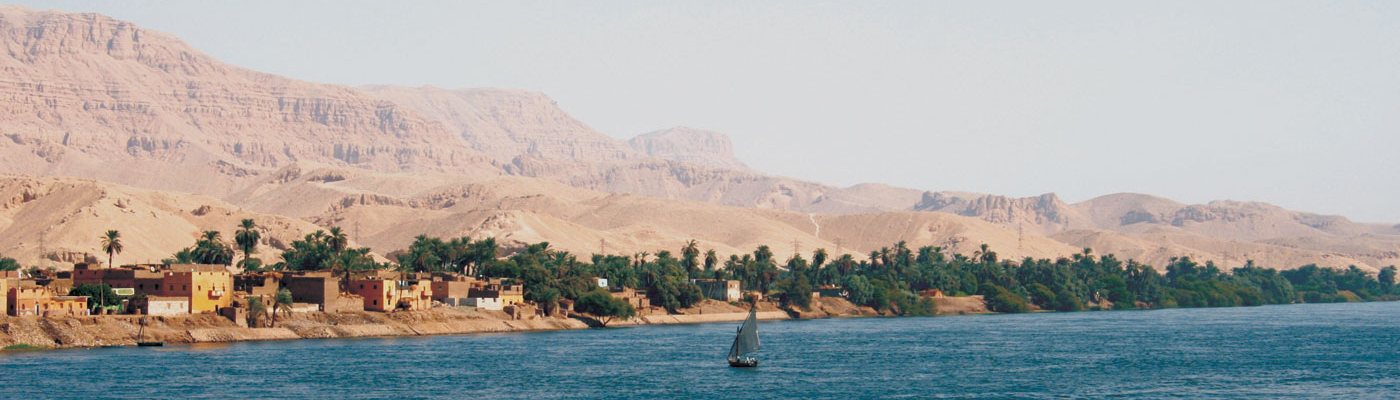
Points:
x=337 y=240
x=112 y=244
x=690 y=258
x=209 y=249
x=281 y=301
x=711 y=259
x=247 y=238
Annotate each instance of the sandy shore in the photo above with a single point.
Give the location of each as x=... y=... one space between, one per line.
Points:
x=121 y=330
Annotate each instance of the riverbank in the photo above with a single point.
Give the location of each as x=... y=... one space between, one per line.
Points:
x=32 y=333
x=121 y=330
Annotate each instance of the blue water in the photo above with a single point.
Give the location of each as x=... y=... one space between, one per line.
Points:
x=1302 y=351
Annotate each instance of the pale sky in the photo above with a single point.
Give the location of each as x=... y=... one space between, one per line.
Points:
x=1292 y=103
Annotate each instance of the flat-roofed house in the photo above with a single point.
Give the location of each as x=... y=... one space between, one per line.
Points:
x=64 y=305
x=263 y=286
x=26 y=300
x=722 y=290
x=452 y=290
x=41 y=301
x=163 y=305
x=322 y=289
x=208 y=287
x=384 y=291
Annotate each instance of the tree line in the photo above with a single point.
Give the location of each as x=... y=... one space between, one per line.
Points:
x=889 y=279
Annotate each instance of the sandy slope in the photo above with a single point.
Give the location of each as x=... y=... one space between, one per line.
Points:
x=70 y=214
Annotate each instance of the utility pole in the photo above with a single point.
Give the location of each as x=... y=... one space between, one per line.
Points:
x=796 y=247
x=1021 y=238
x=42 y=249
x=603 y=246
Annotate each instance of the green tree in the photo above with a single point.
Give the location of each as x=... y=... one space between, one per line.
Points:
x=604 y=306
x=690 y=258
x=1041 y=295
x=337 y=240
x=256 y=309
x=1001 y=300
x=1066 y=301
x=281 y=302
x=112 y=244
x=99 y=295
x=859 y=290
x=711 y=259
x=425 y=254
x=247 y=238
x=211 y=249
x=9 y=264
x=1386 y=279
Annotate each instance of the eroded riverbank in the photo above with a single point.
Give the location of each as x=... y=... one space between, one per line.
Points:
x=32 y=332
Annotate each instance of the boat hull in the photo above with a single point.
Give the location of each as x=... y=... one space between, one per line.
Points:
x=150 y=344
x=743 y=363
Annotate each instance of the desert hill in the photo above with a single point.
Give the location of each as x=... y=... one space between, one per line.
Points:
x=64 y=218
x=518 y=210
x=163 y=125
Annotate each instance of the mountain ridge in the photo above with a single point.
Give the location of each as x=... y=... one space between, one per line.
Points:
x=103 y=99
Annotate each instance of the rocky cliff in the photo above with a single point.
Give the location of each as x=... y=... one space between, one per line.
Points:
x=1043 y=213
x=87 y=95
x=690 y=146
x=506 y=123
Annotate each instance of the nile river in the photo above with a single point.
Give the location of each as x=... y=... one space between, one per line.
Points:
x=1302 y=351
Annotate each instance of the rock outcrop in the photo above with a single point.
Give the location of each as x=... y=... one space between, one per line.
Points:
x=506 y=123
x=1045 y=212
x=87 y=95
x=690 y=146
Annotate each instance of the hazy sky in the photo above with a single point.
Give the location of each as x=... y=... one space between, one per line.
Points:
x=1294 y=103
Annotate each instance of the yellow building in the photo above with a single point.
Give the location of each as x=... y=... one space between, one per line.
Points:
x=209 y=287
x=4 y=295
x=26 y=300
x=509 y=294
x=41 y=301
x=65 y=305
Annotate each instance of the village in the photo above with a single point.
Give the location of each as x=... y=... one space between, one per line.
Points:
x=254 y=298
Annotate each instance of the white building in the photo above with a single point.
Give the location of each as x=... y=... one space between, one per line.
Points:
x=485 y=303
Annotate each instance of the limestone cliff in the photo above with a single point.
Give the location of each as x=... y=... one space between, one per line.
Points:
x=506 y=123
x=87 y=95
x=691 y=146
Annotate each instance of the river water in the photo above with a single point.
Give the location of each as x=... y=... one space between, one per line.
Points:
x=1299 y=351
